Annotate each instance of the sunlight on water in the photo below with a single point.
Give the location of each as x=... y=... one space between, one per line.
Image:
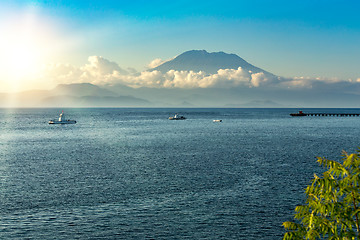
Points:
x=132 y=173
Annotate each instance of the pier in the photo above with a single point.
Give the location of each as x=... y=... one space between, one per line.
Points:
x=302 y=114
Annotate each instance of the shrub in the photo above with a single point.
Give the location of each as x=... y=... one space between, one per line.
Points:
x=332 y=204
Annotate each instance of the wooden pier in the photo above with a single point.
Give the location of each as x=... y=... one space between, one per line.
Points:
x=302 y=114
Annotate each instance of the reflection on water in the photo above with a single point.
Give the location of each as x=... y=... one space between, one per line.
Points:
x=132 y=173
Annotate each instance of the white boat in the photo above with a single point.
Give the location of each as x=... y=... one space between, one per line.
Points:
x=62 y=120
x=177 y=117
x=217 y=120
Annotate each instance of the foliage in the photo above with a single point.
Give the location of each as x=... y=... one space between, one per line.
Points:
x=332 y=205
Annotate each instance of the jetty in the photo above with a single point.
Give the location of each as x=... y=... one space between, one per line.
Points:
x=302 y=114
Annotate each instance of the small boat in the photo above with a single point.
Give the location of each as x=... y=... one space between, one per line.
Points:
x=62 y=120
x=299 y=114
x=177 y=117
x=217 y=120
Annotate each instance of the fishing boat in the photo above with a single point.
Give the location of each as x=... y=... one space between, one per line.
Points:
x=62 y=120
x=299 y=114
x=177 y=117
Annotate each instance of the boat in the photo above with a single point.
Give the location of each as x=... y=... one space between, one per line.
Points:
x=217 y=120
x=62 y=120
x=177 y=117
x=299 y=114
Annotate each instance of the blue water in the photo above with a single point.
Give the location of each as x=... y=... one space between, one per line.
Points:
x=133 y=174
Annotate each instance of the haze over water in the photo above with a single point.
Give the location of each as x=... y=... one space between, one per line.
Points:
x=133 y=174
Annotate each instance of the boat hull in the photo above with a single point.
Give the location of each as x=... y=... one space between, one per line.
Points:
x=298 y=114
x=63 y=122
x=180 y=118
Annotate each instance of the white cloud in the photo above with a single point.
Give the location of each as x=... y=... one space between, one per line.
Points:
x=228 y=78
x=183 y=79
x=258 y=78
x=156 y=62
x=189 y=79
x=98 y=71
x=308 y=82
x=101 y=71
x=99 y=67
x=144 y=79
x=61 y=73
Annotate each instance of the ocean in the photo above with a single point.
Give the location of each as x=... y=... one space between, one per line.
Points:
x=130 y=173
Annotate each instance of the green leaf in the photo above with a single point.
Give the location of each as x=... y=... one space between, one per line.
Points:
x=332 y=205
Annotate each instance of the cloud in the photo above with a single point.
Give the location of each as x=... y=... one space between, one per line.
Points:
x=308 y=82
x=101 y=71
x=98 y=70
x=156 y=62
x=61 y=73
x=228 y=78
x=191 y=79
x=258 y=79
x=144 y=79
x=224 y=78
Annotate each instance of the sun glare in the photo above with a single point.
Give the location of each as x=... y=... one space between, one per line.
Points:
x=22 y=58
x=22 y=53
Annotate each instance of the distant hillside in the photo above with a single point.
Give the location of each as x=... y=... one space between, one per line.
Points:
x=94 y=101
x=257 y=104
x=119 y=95
x=71 y=95
x=201 y=60
x=81 y=89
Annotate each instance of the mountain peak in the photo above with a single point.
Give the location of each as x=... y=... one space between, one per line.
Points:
x=209 y=62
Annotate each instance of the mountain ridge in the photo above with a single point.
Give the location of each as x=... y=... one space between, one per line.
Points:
x=82 y=89
x=71 y=95
x=209 y=62
x=119 y=94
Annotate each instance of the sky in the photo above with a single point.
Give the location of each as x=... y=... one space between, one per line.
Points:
x=294 y=39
